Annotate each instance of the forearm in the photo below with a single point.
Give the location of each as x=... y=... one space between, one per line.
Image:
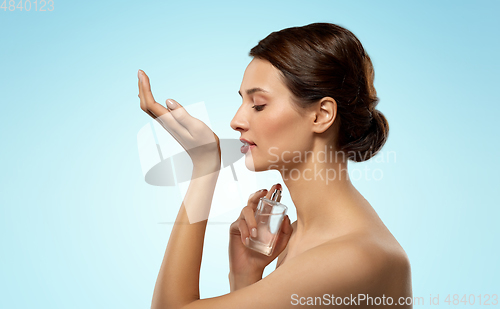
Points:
x=178 y=279
x=240 y=281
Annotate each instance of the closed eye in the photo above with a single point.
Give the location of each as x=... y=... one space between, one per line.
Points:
x=258 y=107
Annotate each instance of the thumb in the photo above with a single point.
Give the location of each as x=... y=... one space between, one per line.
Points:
x=284 y=236
x=178 y=112
x=287 y=226
x=172 y=104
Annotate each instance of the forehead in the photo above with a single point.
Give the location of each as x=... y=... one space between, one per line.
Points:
x=261 y=73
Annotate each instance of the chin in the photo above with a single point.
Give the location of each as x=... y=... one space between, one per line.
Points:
x=249 y=162
x=258 y=166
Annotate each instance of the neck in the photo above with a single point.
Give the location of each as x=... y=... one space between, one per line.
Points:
x=325 y=199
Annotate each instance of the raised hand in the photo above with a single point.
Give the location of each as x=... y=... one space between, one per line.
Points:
x=194 y=135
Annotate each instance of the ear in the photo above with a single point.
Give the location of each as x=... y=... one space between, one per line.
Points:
x=325 y=113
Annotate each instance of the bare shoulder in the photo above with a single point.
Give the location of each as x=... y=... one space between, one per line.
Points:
x=370 y=253
x=382 y=252
x=378 y=259
x=361 y=256
x=351 y=264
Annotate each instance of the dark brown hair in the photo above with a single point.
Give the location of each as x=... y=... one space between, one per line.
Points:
x=324 y=59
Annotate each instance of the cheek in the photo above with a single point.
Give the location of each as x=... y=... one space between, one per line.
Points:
x=286 y=132
x=274 y=127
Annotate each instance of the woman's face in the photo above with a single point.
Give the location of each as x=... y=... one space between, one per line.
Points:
x=267 y=119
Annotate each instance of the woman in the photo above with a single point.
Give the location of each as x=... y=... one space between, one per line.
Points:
x=308 y=107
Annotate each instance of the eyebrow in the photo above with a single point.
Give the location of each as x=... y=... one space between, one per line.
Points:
x=253 y=90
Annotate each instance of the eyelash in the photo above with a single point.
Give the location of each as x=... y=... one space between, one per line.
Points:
x=258 y=106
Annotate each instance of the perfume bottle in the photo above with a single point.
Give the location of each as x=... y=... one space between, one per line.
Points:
x=269 y=216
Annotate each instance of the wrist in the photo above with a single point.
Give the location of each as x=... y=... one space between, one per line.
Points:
x=209 y=164
x=212 y=168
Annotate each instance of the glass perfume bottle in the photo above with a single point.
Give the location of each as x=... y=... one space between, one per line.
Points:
x=269 y=216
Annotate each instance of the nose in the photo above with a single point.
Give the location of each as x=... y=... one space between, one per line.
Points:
x=239 y=122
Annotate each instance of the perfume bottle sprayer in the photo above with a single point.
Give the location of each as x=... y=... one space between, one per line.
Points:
x=269 y=216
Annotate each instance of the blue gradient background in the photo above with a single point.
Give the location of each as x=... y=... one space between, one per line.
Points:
x=80 y=228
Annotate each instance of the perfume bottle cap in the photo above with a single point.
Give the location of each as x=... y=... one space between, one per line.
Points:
x=276 y=196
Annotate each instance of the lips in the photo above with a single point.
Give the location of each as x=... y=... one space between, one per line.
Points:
x=246 y=141
x=247 y=145
x=245 y=148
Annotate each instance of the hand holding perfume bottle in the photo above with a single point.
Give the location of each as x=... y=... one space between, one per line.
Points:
x=269 y=217
x=265 y=222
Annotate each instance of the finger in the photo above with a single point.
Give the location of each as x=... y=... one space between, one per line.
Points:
x=270 y=193
x=147 y=99
x=234 y=228
x=242 y=226
x=253 y=200
x=141 y=93
x=251 y=223
x=145 y=87
x=143 y=101
x=168 y=121
x=180 y=114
